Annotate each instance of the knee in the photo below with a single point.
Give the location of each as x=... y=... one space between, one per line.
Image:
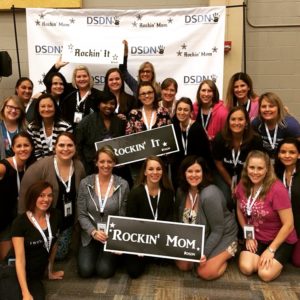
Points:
x=184 y=265
x=105 y=271
x=85 y=271
x=267 y=275
x=208 y=274
x=246 y=267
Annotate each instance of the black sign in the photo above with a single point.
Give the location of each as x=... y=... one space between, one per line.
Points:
x=155 y=238
x=138 y=146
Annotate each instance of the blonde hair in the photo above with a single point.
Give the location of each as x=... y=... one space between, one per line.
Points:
x=82 y=68
x=153 y=80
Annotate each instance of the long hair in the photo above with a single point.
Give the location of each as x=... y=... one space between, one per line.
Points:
x=270 y=176
x=186 y=163
x=231 y=99
x=153 y=81
x=147 y=83
x=213 y=87
x=82 y=68
x=48 y=82
x=164 y=182
x=248 y=133
x=20 y=81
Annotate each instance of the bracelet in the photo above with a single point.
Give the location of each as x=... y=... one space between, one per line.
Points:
x=271 y=250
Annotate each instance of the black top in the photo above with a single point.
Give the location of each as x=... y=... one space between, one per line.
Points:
x=36 y=255
x=138 y=205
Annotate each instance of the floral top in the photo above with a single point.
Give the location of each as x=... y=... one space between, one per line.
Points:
x=136 y=124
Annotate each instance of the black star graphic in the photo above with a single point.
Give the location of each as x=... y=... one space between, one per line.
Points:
x=134 y=24
x=179 y=53
x=170 y=20
x=72 y=21
x=214 y=49
x=139 y=17
x=40 y=82
x=41 y=16
x=37 y=23
x=183 y=46
x=43 y=75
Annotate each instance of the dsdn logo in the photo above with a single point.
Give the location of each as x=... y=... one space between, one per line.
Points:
x=197 y=79
x=98 y=79
x=103 y=20
x=147 y=50
x=48 y=49
x=202 y=18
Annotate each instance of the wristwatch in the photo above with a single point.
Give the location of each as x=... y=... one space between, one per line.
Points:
x=271 y=250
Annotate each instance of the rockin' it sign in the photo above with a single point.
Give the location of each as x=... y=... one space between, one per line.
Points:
x=138 y=146
x=155 y=238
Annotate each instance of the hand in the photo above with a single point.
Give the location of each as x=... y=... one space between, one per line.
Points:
x=266 y=259
x=125 y=47
x=251 y=245
x=203 y=260
x=121 y=116
x=56 y=275
x=100 y=235
x=59 y=64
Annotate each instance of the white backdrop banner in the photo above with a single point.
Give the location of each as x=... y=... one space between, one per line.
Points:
x=186 y=44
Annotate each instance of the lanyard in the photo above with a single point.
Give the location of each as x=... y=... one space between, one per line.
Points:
x=68 y=187
x=8 y=135
x=148 y=126
x=155 y=215
x=28 y=105
x=193 y=201
x=185 y=141
x=235 y=159
x=79 y=101
x=251 y=203
x=47 y=241
x=18 y=176
x=204 y=124
x=288 y=186
x=102 y=203
x=247 y=105
x=272 y=142
x=48 y=139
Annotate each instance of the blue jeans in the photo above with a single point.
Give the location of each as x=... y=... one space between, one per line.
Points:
x=92 y=259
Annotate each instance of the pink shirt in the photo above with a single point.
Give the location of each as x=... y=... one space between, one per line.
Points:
x=265 y=217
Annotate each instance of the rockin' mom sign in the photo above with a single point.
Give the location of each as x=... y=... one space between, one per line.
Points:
x=155 y=238
x=138 y=146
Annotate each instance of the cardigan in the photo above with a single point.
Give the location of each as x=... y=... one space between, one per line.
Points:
x=43 y=169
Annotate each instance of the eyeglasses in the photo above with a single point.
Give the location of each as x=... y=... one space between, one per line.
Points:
x=146 y=94
x=11 y=108
x=145 y=71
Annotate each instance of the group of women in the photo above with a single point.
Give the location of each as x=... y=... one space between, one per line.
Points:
x=236 y=172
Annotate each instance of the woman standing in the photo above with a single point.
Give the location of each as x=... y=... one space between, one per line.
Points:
x=288 y=171
x=152 y=198
x=114 y=83
x=11 y=172
x=231 y=147
x=169 y=88
x=101 y=125
x=149 y=115
x=240 y=93
x=46 y=126
x=273 y=124
x=209 y=110
x=191 y=137
x=64 y=171
x=200 y=202
x=12 y=120
x=34 y=239
x=264 y=211
x=100 y=195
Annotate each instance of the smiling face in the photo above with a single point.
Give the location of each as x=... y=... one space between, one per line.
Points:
x=11 y=111
x=107 y=108
x=194 y=175
x=44 y=200
x=237 y=122
x=256 y=170
x=65 y=148
x=153 y=172
x=146 y=95
x=105 y=164
x=206 y=95
x=46 y=108
x=146 y=74
x=22 y=148
x=240 y=90
x=168 y=94
x=183 y=112
x=114 y=81
x=288 y=155
x=82 y=80
x=57 y=86
x=24 y=91
x=268 y=110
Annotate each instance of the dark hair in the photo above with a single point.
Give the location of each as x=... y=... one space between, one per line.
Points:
x=104 y=98
x=48 y=82
x=164 y=182
x=20 y=81
x=147 y=83
x=185 y=100
x=37 y=117
x=185 y=164
x=109 y=71
x=212 y=85
x=248 y=131
x=279 y=166
x=167 y=82
x=33 y=192
x=69 y=135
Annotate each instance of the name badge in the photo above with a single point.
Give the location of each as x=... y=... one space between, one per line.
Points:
x=78 y=116
x=101 y=226
x=249 y=232
x=68 y=209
